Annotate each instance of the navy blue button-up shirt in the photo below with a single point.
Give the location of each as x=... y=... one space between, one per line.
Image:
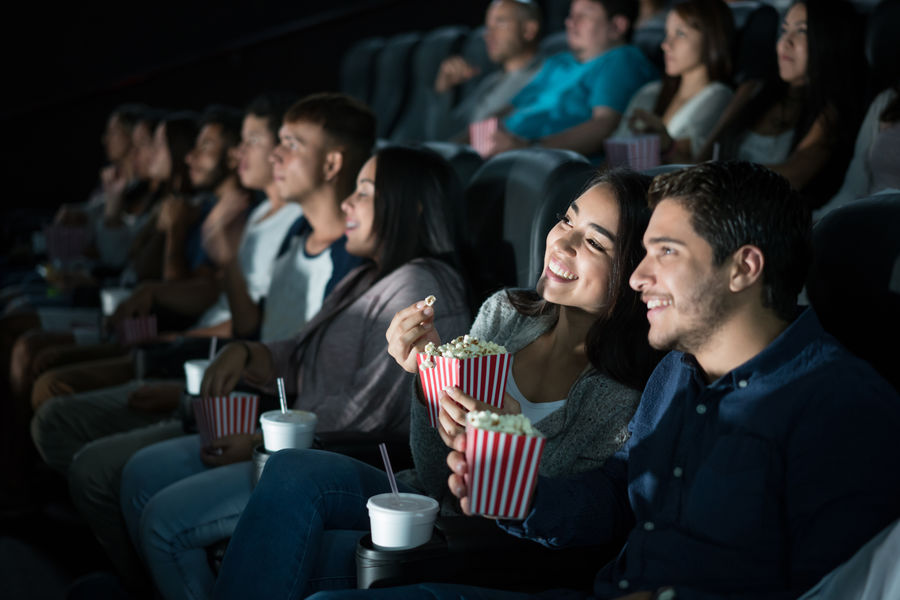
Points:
x=753 y=486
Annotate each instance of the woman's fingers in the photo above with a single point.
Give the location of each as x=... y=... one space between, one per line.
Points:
x=454 y=411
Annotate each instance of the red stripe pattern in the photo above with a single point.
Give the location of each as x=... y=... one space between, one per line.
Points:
x=481 y=136
x=219 y=416
x=483 y=378
x=638 y=152
x=501 y=472
x=136 y=330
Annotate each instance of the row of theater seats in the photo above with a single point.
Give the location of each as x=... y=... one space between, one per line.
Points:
x=394 y=75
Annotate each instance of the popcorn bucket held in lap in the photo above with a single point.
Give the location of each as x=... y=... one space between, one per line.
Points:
x=218 y=416
x=503 y=454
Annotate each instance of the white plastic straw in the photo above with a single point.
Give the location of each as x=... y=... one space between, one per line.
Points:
x=282 y=397
x=387 y=467
x=212 y=348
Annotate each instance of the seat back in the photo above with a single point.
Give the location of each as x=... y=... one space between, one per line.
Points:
x=434 y=48
x=358 y=69
x=463 y=158
x=754 y=55
x=392 y=74
x=649 y=39
x=541 y=185
x=474 y=51
x=553 y=44
x=854 y=282
x=882 y=48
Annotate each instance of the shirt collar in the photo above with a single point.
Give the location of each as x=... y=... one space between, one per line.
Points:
x=804 y=329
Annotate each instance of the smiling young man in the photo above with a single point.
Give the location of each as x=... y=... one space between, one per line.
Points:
x=760 y=457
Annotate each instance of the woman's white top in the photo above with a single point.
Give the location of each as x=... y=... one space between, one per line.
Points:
x=765 y=149
x=694 y=120
x=535 y=411
x=875 y=166
x=260 y=242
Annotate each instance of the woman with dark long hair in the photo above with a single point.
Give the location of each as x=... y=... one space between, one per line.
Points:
x=683 y=108
x=581 y=357
x=802 y=123
x=402 y=219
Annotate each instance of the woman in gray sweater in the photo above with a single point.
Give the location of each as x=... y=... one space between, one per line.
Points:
x=580 y=359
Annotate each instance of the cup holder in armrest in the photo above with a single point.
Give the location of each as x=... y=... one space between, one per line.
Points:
x=474 y=551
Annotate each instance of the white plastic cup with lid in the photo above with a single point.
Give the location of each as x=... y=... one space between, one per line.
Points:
x=193 y=374
x=291 y=429
x=111 y=298
x=401 y=521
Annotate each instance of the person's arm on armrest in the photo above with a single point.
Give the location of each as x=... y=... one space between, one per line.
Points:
x=586 y=138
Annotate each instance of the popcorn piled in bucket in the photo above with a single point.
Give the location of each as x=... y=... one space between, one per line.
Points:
x=477 y=367
x=512 y=424
x=465 y=346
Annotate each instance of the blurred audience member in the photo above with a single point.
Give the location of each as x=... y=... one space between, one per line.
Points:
x=512 y=30
x=683 y=108
x=802 y=124
x=578 y=97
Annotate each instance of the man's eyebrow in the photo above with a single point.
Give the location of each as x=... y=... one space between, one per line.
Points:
x=664 y=240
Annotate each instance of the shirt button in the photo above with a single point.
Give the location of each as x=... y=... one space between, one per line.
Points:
x=742 y=383
x=649 y=526
x=701 y=409
x=677 y=471
x=623 y=584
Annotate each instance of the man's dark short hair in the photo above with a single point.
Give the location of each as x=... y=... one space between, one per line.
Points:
x=736 y=203
x=347 y=123
x=271 y=106
x=626 y=8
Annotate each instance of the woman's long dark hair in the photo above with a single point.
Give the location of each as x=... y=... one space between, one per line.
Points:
x=181 y=135
x=417 y=215
x=715 y=21
x=617 y=341
x=833 y=91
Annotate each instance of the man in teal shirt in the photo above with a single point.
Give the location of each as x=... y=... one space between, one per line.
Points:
x=578 y=97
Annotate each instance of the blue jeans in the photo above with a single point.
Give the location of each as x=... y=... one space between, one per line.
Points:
x=298 y=533
x=175 y=506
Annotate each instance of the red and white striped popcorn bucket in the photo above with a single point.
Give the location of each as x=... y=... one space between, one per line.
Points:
x=65 y=243
x=136 y=330
x=481 y=135
x=638 y=152
x=219 y=416
x=483 y=378
x=501 y=472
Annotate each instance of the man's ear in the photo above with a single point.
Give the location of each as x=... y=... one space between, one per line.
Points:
x=334 y=160
x=747 y=268
x=619 y=24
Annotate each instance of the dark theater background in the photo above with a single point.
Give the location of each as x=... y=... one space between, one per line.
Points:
x=66 y=65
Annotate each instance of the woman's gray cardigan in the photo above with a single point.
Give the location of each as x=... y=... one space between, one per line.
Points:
x=581 y=435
